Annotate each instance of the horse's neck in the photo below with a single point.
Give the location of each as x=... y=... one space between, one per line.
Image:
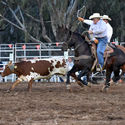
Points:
x=82 y=49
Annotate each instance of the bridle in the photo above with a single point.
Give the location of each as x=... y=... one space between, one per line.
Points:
x=65 y=43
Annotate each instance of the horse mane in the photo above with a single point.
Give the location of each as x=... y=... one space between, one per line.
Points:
x=80 y=37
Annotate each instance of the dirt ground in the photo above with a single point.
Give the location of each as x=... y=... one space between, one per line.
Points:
x=52 y=104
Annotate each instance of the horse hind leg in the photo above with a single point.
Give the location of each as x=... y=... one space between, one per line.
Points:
x=108 y=77
x=86 y=81
x=79 y=82
x=81 y=74
x=116 y=76
x=76 y=78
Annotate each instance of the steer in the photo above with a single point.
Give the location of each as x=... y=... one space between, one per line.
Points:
x=31 y=70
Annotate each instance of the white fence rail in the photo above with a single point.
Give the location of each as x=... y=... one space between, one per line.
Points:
x=22 y=51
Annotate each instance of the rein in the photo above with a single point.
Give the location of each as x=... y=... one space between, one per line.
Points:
x=82 y=57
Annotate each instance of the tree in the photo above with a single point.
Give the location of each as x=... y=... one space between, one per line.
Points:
x=38 y=20
x=115 y=9
x=57 y=12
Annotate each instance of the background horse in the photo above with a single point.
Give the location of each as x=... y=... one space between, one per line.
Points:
x=83 y=59
x=114 y=63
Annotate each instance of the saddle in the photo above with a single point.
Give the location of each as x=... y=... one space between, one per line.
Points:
x=108 y=53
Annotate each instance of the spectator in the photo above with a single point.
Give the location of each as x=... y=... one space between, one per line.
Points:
x=1 y=69
x=1 y=65
x=70 y=63
x=109 y=28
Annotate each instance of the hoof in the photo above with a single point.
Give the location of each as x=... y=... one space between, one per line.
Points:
x=105 y=88
x=111 y=82
x=89 y=84
x=80 y=84
x=8 y=91
x=29 y=91
x=68 y=87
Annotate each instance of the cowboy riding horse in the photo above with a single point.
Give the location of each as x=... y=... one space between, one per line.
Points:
x=85 y=59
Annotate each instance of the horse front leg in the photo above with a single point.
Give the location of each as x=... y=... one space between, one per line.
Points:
x=71 y=73
x=68 y=84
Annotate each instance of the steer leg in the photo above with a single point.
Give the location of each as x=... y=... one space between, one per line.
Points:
x=30 y=85
x=14 y=84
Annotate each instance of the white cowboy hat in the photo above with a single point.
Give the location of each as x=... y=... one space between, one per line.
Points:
x=106 y=17
x=95 y=15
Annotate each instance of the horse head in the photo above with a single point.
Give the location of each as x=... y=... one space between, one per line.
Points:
x=64 y=35
x=61 y=34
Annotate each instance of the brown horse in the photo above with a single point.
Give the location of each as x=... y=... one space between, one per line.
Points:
x=114 y=63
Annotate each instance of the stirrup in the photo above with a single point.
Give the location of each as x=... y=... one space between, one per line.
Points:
x=99 y=68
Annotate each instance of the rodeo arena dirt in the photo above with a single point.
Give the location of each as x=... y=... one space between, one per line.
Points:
x=50 y=103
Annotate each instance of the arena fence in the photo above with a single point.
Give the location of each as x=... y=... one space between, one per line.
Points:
x=22 y=51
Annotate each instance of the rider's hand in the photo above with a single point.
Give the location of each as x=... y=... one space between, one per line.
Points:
x=90 y=32
x=96 y=41
x=80 y=19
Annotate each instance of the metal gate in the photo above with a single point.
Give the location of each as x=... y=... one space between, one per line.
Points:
x=34 y=50
x=6 y=54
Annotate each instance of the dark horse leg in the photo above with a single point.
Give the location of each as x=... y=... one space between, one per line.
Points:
x=72 y=73
x=116 y=76
x=108 y=77
x=109 y=70
x=81 y=74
